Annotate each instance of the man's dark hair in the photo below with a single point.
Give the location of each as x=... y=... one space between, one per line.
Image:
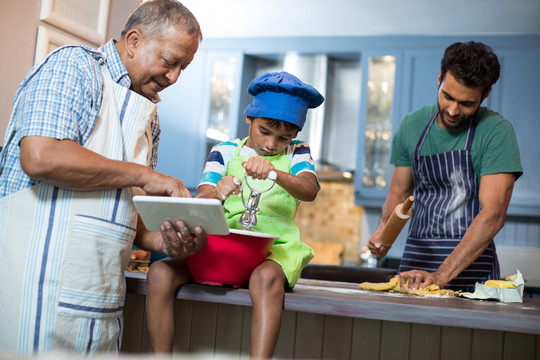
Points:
x=472 y=64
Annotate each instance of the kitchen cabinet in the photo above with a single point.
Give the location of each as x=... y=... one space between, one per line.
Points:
x=224 y=105
x=186 y=108
x=377 y=122
x=512 y=96
x=182 y=120
x=207 y=106
x=515 y=97
x=337 y=77
x=197 y=112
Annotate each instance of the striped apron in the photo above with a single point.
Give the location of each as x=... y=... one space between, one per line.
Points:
x=446 y=203
x=63 y=252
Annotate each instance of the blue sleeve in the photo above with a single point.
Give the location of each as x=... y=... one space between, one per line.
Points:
x=216 y=163
x=300 y=156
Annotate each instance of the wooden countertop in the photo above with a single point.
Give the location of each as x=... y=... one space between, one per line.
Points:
x=347 y=299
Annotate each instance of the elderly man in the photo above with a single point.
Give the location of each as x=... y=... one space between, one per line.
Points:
x=82 y=140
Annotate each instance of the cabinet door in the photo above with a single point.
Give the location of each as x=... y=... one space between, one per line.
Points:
x=420 y=70
x=515 y=96
x=181 y=116
x=202 y=103
x=380 y=96
x=225 y=70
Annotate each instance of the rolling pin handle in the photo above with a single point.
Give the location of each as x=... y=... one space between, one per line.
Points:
x=396 y=222
x=407 y=205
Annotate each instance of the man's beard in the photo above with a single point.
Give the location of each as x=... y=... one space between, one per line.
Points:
x=462 y=122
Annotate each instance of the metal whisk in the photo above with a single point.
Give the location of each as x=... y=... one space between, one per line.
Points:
x=249 y=218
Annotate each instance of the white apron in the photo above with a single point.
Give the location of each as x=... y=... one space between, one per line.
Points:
x=63 y=252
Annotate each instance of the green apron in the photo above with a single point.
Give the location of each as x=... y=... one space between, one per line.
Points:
x=277 y=210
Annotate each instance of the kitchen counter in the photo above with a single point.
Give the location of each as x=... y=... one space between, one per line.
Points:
x=532 y=288
x=346 y=299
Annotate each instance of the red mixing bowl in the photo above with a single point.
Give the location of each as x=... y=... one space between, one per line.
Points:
x=230 y=259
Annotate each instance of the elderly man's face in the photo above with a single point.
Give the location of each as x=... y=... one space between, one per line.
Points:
x=158 y=62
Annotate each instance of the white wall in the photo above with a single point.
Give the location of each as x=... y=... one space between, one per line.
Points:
x=19 y=21
x=276 y=18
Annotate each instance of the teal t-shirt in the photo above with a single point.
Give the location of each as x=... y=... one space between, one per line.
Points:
x=495 y=148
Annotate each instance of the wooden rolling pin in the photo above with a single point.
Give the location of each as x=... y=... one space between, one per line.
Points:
x=396 y=222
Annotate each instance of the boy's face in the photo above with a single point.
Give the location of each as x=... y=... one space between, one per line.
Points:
x=268 y=140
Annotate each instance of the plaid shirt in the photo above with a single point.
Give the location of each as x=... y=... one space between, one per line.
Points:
x=60 y=98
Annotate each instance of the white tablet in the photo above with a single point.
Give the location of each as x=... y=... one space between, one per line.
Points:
x=207 y=213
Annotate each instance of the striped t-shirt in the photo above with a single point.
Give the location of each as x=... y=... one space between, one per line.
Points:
x=216 y=164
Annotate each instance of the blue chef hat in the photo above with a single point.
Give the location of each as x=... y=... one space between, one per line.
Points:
x=282 y=96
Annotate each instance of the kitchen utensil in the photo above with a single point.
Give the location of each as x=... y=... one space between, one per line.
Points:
x=249 y=218
x=230 y=259
x=396 y=222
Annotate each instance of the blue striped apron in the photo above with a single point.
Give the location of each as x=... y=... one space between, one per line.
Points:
x=446 y=203
x=63 y=252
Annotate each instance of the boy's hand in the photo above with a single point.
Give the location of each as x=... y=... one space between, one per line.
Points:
x=227 y=186
x=258 y=168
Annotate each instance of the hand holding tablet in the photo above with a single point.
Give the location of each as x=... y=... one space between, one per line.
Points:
x=206 y=213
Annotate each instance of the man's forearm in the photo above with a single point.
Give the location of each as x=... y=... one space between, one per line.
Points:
x=494 y=196
x=67 y=164
x=476 y=239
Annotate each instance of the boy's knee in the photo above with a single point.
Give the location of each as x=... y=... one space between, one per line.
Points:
x=154 y=276
x=159 y=275
x=156 y=269
x=268 y=277
x=163 y=275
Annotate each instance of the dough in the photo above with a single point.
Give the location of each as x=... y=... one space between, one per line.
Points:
x=380 y=286
x=499 y=284
x=393 y=286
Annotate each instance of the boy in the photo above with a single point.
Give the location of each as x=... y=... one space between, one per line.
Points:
x=275 y=117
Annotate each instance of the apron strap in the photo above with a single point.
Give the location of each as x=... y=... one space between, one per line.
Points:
x=424 y=134
x=472 y=131
x=240 y=146
x=468 y=142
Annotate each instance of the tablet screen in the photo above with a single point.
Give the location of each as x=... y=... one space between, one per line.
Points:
x=207 y=213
